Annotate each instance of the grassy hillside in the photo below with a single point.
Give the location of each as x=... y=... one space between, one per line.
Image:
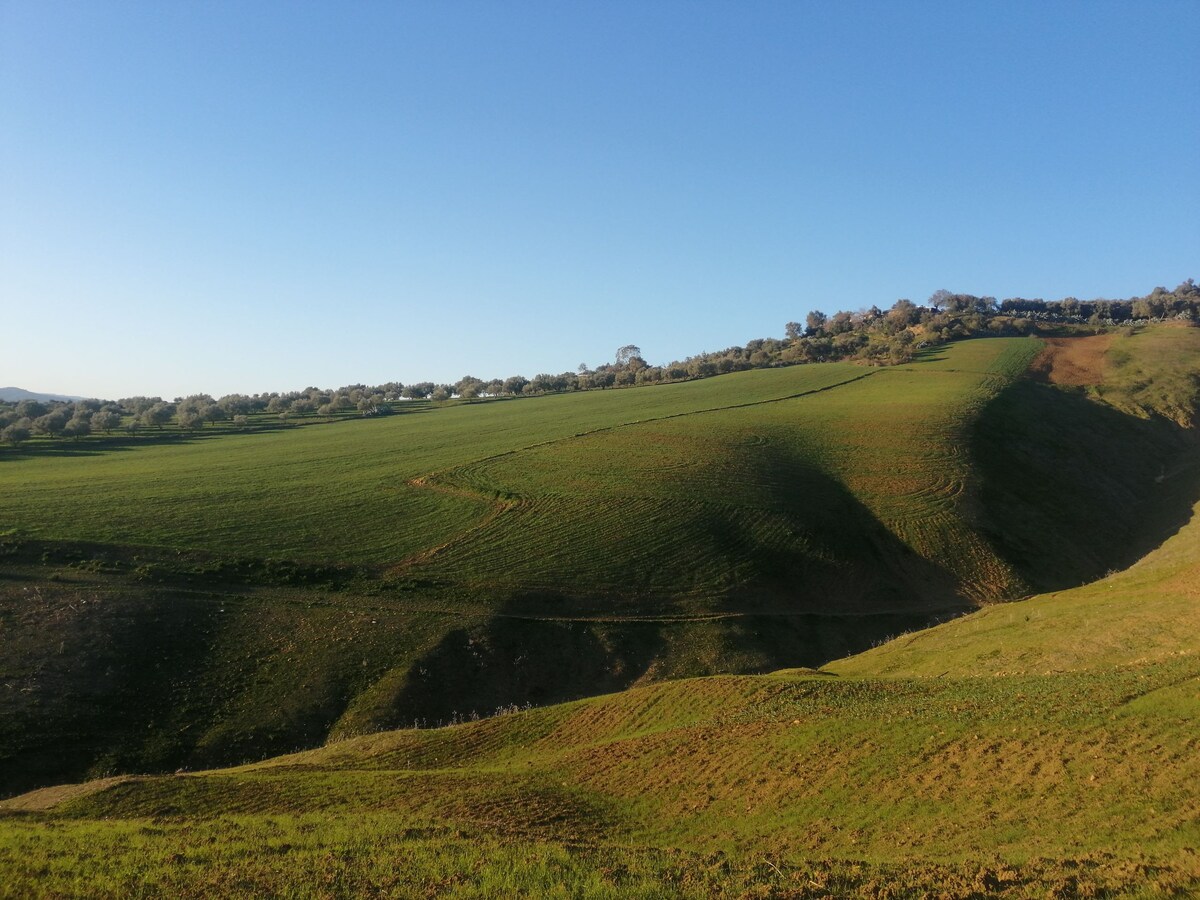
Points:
x=1043 y=746
x=766 y=493
x=1082 y=478
x=339 y=493
x=868 y=778
x=228 y=598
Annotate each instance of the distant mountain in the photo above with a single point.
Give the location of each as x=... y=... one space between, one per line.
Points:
x=16 y=394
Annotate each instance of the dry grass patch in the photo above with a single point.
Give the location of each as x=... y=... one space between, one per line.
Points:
x=1073 y=361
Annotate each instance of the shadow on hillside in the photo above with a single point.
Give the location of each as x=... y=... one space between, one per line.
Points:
x=513 y=661
x=168 y=568
x=92 y=682
x=848 y=562
x=1070 y=489
x=97 y=446
x=130 y=664
x=935 y=353
x=846 y=585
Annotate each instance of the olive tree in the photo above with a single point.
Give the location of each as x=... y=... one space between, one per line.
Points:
x=157 y=415
x=16 y=433
x=106 y=420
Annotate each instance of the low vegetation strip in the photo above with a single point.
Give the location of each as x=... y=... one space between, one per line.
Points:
x=1075 y=361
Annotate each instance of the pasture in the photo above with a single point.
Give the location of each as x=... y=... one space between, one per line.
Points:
x=444 y=565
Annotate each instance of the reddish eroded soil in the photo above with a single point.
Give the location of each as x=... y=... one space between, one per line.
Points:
x=1074 y=361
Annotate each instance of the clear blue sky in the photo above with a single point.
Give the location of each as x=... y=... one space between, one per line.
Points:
x=241 y=197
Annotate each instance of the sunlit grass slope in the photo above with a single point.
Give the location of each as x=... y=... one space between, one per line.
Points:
x=338 y=493
x=769 y=485
x=1076 y=782
x=826 y=488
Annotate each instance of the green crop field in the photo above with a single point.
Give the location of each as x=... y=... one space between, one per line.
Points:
x=233 y=597
x=714 y=501
x=339 y=493
x=668 y=499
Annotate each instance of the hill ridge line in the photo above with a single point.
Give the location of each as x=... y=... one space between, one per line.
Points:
x=663 y=418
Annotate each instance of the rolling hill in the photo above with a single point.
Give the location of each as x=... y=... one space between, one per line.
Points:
x=1046 y=745
x=16 y=394
x=215 y=601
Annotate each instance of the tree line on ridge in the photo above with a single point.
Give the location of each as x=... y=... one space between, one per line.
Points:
x=871 y=336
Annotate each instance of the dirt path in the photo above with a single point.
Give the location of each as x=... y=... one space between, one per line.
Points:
x=1076 y=361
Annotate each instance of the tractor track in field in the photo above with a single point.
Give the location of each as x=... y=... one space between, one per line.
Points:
x=499 y=506
x=503 y=502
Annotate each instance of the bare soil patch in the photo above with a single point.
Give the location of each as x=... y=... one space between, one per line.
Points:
x=1074 y=361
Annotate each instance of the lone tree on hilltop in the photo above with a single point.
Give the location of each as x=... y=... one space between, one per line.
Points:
x=940 y=299
x=627 y=354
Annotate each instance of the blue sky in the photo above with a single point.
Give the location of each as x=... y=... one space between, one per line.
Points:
x=241 y=197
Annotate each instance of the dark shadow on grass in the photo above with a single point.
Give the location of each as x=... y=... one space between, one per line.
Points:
x=92 y=683
x=843 y=560
x=510 y=661
x=930 y=354
x=160 y=673
x=1070 y=489
x=100 y=677
x=847 y=584
x=166 y=567
x=99 y=446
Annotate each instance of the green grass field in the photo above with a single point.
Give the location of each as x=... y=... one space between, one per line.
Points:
x=229 y=597
x=220 y=600
x=337 y=493
x=873 y=777
x=405 y=566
